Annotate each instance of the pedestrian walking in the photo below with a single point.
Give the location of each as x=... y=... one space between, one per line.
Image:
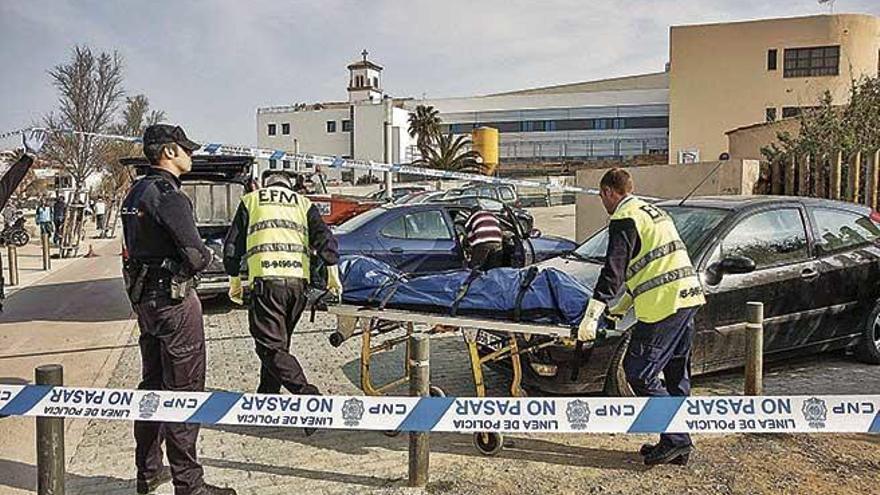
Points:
x=100 y=213
x=44 y=217
x=163 y=252
x=646 y=254
x=275 y=229
x=59 y=213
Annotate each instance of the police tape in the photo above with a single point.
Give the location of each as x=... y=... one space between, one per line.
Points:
x=337 y=162
x=731 y=414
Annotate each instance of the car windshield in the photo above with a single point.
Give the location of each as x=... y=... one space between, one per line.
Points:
x=693 y=225
x=356 y=222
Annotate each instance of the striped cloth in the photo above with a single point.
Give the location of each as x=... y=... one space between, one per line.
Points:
x=482 y=227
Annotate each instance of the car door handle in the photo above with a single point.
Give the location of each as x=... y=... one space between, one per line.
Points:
x=809 y=273
x=397 y=250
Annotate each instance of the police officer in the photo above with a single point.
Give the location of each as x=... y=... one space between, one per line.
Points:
x=163 y=253
x=646 y=254
x=276 y=229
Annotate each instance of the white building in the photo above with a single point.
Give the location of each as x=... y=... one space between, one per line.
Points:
x=611 y=118
x=353 y=129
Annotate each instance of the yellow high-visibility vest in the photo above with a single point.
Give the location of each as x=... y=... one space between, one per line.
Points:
x=660 y=277
x=278 y=233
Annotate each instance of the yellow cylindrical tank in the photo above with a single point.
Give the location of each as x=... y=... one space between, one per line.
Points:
x=485 y=142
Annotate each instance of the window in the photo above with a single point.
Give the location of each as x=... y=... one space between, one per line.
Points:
x=505 y=126
x=841 y=229
x=285 y=129
x=771 y=59
x=346 y=126
x=768 y=238
x=375 y=82
x=788 y=112
x=657 y=122
x=359 y=81
x=507 y=194
x=331 y=126
x=806 y=62
x=534 y=126
x=461 y=128
x=285 y=164
x=574 y=124
x=271 y=129
x=425 y=225
x=273 y=164
x=770 y=114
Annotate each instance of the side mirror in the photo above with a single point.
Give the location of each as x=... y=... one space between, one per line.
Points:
x=534 y=234
x=731 y=265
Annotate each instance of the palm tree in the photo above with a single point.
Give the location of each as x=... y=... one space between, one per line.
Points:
x=451 y=153
x=424 y=126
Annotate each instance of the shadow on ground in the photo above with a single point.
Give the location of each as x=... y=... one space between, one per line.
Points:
x=23 y=476
x=57 y=302
x=363 y=443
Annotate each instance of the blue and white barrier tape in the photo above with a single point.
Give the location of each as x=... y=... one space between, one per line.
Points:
x=783 y=414
x=339 y=162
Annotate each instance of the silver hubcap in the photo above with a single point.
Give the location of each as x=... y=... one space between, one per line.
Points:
x=875 y=332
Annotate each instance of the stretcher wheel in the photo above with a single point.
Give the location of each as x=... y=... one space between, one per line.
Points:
x=488 y=443
x=435 y=391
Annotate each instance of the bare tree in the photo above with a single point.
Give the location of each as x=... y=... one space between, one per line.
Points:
x=136 y=117
x=90 y=89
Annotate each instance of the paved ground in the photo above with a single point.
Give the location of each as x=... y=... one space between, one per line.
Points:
x=75 y=315
x=264 y=460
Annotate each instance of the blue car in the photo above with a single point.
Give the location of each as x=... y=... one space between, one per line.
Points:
x=423 y=238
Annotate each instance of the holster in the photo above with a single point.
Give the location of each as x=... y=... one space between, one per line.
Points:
x=135 y=276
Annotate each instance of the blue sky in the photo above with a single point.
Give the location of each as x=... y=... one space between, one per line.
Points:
x=210 y=64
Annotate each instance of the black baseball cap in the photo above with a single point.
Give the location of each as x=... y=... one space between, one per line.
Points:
x=164 y=134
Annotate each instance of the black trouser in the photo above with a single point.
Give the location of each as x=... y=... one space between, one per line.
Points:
x=59 y=226
x=276 y=306
x=663 y=346
x=485 y=256
x=172 y=346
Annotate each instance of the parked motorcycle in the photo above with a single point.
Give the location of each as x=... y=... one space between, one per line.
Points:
x=14 y=234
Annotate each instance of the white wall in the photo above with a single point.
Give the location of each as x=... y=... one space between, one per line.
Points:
x=309 y=128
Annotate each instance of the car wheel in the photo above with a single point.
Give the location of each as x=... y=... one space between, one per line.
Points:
x=868 y=348
x=615 y=381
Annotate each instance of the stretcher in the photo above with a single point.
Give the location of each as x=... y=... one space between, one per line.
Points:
x=381 y=330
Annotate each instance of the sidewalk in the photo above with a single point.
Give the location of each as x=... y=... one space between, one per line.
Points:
x=75 y=315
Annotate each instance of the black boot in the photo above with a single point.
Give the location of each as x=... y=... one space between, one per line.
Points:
x=668 y=454
x=148 y=486
x=215 y=490
x=309 y=390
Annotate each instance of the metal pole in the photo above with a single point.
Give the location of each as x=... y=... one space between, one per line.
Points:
x=754 y=384
x=12 y=253
x=50 y=438
x=389 y=147
x=47 y=258
x=419 y=384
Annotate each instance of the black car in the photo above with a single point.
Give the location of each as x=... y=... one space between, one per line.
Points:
x=813 y=263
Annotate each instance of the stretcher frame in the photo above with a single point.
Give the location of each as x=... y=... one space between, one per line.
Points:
x=367 y=317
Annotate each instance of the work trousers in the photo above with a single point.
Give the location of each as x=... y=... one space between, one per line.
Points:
x=663 y=346
x=172 y=343
x=485 y=256
x=275 y=308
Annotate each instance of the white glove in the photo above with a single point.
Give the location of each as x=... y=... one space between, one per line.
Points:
x=34 y=140
x=334 y=283
x=236 y=293
x=590 y=323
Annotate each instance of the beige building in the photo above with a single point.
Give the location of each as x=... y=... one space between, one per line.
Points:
x=730 y=75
